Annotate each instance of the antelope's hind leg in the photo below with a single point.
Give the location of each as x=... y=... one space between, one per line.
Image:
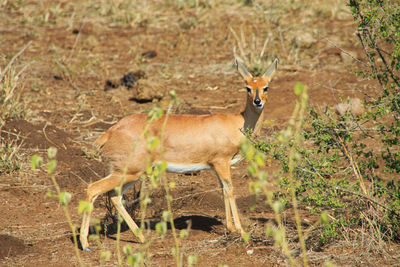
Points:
x=93 y=191
x=117 y=201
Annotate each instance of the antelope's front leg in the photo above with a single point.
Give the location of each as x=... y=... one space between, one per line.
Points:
x=228 y=213
x=223 y=171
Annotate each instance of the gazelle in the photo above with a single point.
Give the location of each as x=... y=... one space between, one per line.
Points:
x=190 y=143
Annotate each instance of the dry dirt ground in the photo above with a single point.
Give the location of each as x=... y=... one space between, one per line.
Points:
x=76 y=55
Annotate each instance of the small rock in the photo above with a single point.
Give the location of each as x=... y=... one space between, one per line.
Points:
x=149 y=54
x=147 y=90
x=355 y=107
x=344 y=14
x=111 y=85
x=131 y=78
x=305 y=40
x=128 y=80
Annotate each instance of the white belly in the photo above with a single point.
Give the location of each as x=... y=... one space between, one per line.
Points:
x=181 y=168
x=185 y=168
x=236 y=159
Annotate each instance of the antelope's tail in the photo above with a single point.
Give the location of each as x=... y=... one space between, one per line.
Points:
x=101 y=140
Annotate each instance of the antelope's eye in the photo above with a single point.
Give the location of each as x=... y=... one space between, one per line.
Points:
x=265 y=89
x=248 y=89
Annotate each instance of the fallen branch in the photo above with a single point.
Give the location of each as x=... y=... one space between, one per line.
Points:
x=367 y=198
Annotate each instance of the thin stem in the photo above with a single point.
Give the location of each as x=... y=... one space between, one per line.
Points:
x=71 y=225
x=354 y=166
x=171 y=220
x=144 y=195
x=299 y=109
x=278 y=219
x=119 y=256
x=383 y=58
x=371 y=62
x=168 y=195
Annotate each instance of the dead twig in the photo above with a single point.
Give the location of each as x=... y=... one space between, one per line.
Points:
x=48 y=139
x=80 y=178
x=367 y=198
x=13 y=59
x=344 y=51
x=77 y=38
x=354 y=164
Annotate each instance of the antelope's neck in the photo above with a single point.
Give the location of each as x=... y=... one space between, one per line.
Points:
x=252 y=120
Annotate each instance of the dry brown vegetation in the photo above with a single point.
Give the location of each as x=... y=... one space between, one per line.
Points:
x=56 y=59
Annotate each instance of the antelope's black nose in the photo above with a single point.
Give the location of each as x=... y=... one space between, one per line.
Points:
x=257 y=101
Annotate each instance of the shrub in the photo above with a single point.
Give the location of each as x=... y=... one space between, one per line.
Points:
x=342 y=166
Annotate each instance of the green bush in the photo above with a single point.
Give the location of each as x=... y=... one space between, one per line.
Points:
x=343 y=163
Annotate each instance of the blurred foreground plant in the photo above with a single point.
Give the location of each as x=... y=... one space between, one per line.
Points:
x=288 y=140
x=63 y=197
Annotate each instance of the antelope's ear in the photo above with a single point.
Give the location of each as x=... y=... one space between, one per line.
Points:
x=242 y=69
x=271 y=70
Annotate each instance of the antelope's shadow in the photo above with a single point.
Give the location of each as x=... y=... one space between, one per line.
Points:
x=194 y=222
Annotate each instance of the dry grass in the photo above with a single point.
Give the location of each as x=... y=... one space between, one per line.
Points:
x=11 y=89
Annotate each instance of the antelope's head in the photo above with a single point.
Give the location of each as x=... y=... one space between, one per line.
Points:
x=257 y=87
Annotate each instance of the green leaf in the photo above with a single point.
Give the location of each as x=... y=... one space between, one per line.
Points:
x=277 y=206
x=51 y=166
x=161 y=228
x=254 y=187
x=183 y=233
x=51 y=152
x=324 y=217
x=127 y=250
x=106 y=255
x=192 y=259
x=278 y=236
x=247 y=150
x=166 y=215
x=152 y=143
x=147 y=201
x=49 y=193
x=134 y=260
x=84 y=206
x=172 y=185
x=298 y=88
x=64 y=198
x=252 y=169
x=161 y=166
x=328 y=264
x=155 y=114
x=173 y=96
x=262 y=175
x=246 y=237
x=36 y=161
x=269 y=231
x=93 y=237
x=149 y=169
x=259 y=159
